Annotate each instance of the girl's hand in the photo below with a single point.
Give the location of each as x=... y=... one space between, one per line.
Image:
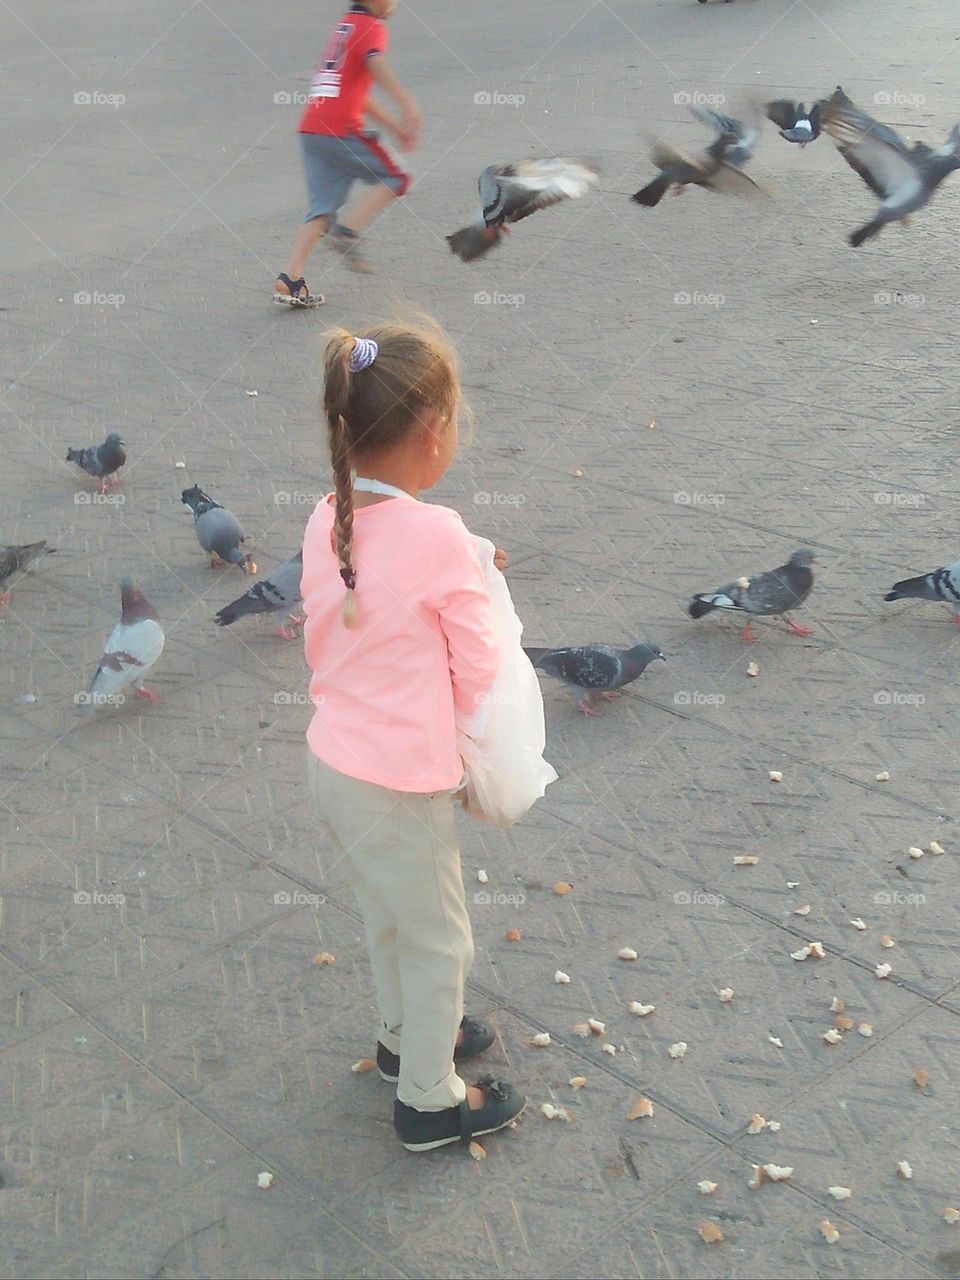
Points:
x=500 y=559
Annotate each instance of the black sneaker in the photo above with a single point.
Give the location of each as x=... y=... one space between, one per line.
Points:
x=477 y=1038
x=427 y=1130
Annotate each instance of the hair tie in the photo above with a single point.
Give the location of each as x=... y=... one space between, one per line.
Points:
x=364 y=352
x=349 y=577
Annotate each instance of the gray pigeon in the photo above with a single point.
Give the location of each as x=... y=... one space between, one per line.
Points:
x=794 y=121
x=509 y=192
x=941 y=584
x=770 y=593
x=594 y=668
x=718 y=168
x=101 y=460
x=16 y=560
x=904 y=178
x=279 y=592
x=218 y=530
x=135 y=644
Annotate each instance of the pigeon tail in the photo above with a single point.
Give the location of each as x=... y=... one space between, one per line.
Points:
x=535 y=655
x=699 y=607
x=472 y=242
x=867 y=232
x=922 y=588
x=653 y=192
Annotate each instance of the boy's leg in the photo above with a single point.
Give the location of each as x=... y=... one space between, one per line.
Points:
x=306 y=241
x=372 y=203
x=373 y=165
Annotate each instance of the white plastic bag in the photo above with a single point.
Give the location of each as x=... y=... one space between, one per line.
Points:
x=502 y=742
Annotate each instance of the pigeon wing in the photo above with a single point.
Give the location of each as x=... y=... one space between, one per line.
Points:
x=784 y=114
x=586 y=667
x=728 y=180
x=776 y=591
x=129 y=654
x=536 y=184
x=872 y=150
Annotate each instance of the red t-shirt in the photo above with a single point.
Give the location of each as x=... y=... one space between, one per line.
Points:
x=342 y=80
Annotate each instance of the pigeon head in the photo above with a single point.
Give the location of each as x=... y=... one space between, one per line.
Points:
x=134 y=603
x=647 y=653
x=803 y=558
x=113 y=440
x=192 y=498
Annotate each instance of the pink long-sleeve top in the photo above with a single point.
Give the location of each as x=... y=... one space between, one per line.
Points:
x=386 y=691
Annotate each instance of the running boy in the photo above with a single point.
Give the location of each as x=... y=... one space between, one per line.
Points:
x=398 y=636
x=339 y=150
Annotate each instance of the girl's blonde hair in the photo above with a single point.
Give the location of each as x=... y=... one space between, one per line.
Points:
x=414 y=375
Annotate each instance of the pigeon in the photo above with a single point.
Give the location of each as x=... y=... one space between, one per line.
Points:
x=941 y=584
x=904 y=178
x=218 y=530
x=717 y=169
x=510 y=192
x=135 y=644
x=795 y=122
x=594 y=668
x=102 y=461
x=16 y=560
x=773 y=592
x=279 y=592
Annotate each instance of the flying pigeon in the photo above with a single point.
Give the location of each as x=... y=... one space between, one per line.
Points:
x=279 y=592
x=941 y=584
x=717 y=169
x=101 y=460
x=773 y=592
x=509 y=192
x=17 y=560
x=594 y=668
x=795 y=122
x=218 y=530
x=135 y=644
x=903 y=178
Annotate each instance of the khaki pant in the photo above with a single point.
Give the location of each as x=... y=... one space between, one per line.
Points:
x=402 y=861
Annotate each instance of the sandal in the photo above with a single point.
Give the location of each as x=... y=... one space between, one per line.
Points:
x=298 y=296
x=477 y=1038
x=427 y=1130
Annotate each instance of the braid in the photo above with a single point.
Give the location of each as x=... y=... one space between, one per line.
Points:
x=343 y=517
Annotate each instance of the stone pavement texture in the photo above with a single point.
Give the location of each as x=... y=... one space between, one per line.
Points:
x=157 y=1055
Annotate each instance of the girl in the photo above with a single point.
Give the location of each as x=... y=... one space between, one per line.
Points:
x=398 y=637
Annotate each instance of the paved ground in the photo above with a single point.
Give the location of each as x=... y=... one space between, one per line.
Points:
x=156 y=1056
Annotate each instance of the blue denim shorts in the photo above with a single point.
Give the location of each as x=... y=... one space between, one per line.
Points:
x=333 y=165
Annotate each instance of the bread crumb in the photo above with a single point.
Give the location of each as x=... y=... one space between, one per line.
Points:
x=865 y=1029
x=914 y=852
x=829 y=1231
x=833 y=1036
x=816 y=949
x=641 y=1010
x=801 y=954
x=753 y=669
x=759 y=1177
x=482 y=876
x=477 y=1151
x=264 y=1181
x=886 y=940
x=641 y=1109
x=840 y=1193
x=746 y=860
x=951 y=1215
x=776 y=775
x=757 y=1123
x=775 y=1041
x=324 y=958
x=706 y=1187
x=363 y=1066
x=883 y=776
x=858 y=924
x=904 y=1170
x=710 y=1233
x=541 y=1040
x=561 y=888
x=802 y=911
x=626 y=953
x=513 y=935
x=596 y=1026
x=551 y=1112
x=778 y=1172
x=920 y=1078
x=933 y=847
x=578 y=1082
x=561 y=978
x=837 y=1005
x=678 y=1050
x=883 y=970
x=609 y=1048
x=725 y=995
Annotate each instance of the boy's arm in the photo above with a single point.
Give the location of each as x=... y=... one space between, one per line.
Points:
x=409 y=124
x=383 y=117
